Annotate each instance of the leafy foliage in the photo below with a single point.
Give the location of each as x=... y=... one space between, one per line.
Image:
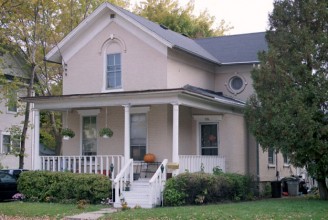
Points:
x=199 y=188
x=64 y=187
x=289 y=110
x=180 y=19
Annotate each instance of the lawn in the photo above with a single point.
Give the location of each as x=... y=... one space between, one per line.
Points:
x=36 y=210
x=284 y=208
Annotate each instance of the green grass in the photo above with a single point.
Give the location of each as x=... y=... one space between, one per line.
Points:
x=42 y=210
x=285 y=208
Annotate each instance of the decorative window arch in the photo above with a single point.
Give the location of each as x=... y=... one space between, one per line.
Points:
x=112 y=50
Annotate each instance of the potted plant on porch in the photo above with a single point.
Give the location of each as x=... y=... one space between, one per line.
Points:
x=105 y=133
x=67 y=133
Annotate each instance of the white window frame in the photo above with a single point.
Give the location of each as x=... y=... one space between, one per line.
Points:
x=2 y=145
x=206 y=119
x=106 y=72
x=286 y=164
x=273 y=164
x=7 y=105
x=140 y=110
x=88 y=113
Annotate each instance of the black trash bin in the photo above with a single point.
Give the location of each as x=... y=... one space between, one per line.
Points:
x=276 y=189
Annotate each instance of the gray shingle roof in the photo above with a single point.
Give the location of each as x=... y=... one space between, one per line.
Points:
x=178 y=40
x=218 y=96
x=231 y=49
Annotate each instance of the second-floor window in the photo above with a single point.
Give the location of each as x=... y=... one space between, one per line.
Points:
x=113 y=72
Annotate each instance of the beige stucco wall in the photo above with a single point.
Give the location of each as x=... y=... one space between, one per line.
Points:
x=110 y=146
x=224 y=73
x=184 y=69
x=268 y=173
x=233 y=144
x=143 y=66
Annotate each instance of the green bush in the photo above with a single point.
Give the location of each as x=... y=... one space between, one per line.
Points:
x=199 y=188
x=64 y=187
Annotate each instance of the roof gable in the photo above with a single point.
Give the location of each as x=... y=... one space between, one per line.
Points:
x=169 y=38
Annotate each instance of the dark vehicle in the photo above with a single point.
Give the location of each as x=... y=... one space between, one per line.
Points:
x=14 y=172
x=8 y=186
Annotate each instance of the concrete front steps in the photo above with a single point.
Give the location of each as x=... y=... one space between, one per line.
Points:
x=139 y=194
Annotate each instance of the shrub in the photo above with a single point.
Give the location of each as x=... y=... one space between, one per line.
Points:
x=64 y=187
x=199 y=188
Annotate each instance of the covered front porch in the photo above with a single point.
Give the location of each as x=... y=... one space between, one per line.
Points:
x=181 y=125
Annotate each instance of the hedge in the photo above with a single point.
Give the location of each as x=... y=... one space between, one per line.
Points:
x=199 y=188
x=64 y=187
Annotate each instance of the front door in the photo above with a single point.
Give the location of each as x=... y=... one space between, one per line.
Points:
x=209 y=138
x=89 y=135
x=138 y=136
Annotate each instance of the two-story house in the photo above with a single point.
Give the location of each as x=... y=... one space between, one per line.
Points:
x=12 y=65
x=160 y=92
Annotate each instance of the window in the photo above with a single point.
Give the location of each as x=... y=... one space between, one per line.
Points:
x=286 y=159
x=12 y=101
x=236 y=84
x=209 y=139
x=89 y=135
x=138 y=136
x=271 y=156
x=113 y=72
x=8 y=143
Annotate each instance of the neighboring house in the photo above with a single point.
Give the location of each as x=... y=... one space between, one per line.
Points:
x=160 y=92
x=12 y=65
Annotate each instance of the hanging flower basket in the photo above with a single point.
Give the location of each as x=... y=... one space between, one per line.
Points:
x=67 y=133
x=105 y=133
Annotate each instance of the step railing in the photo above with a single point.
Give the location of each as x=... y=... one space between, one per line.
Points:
x=156 y=184
x=124 y=177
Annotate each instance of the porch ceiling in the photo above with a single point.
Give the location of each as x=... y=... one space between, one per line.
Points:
x=180 y=96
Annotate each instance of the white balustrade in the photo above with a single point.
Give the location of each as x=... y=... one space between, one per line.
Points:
x=83 y=164
x=196 y=163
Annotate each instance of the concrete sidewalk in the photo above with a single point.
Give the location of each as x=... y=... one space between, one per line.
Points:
x=91 y=215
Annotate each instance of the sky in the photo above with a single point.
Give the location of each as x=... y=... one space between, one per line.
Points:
x=246 y=16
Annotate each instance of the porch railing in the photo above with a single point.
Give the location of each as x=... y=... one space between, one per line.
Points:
x=157 y=184
x=83 y=164
x=196 y=163
x=123 y=178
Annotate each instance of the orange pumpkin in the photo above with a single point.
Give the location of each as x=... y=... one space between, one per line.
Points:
x=149 y=158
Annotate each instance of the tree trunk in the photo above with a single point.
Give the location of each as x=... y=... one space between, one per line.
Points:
x=323 y=190
x=26 y=120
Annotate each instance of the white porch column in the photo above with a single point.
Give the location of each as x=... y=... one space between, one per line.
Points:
x=175 y=137
x=126 y=133
x=36 y=164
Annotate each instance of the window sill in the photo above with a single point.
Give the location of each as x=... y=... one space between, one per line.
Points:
x=11 y=113
x=112 y=90
x=286 y=165
x=271 y=166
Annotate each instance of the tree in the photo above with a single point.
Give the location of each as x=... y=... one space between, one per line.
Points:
x=35 y=27
x=179 y=19
x=289 y=111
